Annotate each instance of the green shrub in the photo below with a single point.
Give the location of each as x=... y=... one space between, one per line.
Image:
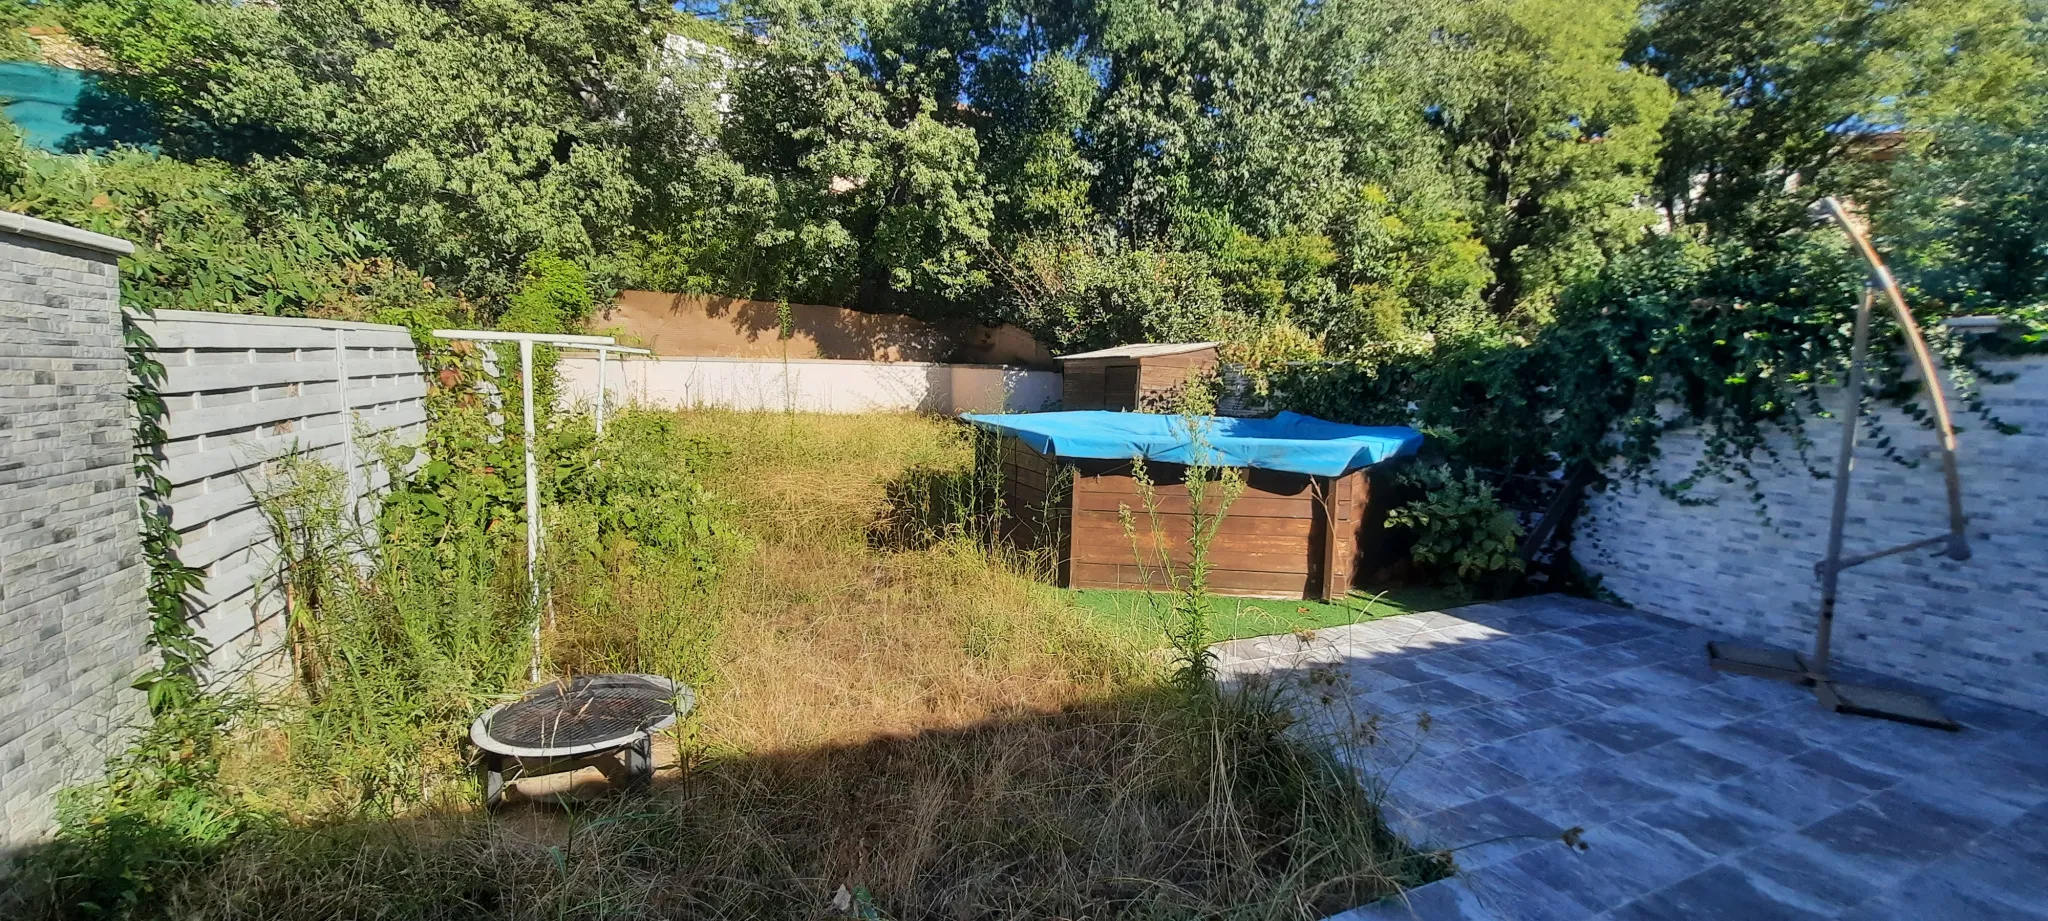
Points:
x=1459 y=523
x=554 y=296
x=210 y=236
x=161 y=811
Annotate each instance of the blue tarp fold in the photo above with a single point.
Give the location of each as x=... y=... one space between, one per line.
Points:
x=1288 y=441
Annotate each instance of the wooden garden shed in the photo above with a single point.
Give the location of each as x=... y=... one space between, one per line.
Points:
x=1309 y=532
x=1128 y=378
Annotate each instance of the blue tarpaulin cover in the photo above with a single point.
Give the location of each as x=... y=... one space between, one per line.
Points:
x=1288 y=441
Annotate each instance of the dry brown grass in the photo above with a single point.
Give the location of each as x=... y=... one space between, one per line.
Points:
x=831 y=641
x=926 y=725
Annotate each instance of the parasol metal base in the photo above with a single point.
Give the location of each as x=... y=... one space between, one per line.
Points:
x=1759 y=662
x=1884 y=704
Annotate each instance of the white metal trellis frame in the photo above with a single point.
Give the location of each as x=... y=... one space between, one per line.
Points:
x=602 y=353
x=533 y=534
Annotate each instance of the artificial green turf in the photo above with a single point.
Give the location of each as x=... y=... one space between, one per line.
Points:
x=1137 y=614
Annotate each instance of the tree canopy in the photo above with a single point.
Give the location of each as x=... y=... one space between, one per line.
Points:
x=1368 y=184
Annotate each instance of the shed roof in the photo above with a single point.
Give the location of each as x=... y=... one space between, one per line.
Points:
x=1143 y=350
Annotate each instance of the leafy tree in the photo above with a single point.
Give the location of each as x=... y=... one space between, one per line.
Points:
x=554 y=297
x=1778 y=94
x=1097 y=291
x=866 y=189
x=169 y=53
x=463 y=136
x=13 y=159
x=1447 y=198
x=1969 y=214
x=1559 y=140
x=1414 y=264
x=209 y=237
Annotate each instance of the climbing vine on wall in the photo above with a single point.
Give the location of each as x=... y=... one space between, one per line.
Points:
x=174 y=681
x=1738 y=344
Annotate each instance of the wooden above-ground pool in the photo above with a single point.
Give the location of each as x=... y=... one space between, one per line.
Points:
x=1289 y=534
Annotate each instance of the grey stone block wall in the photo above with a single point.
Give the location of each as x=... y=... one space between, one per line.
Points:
x=72 y=620
x=1979 y=627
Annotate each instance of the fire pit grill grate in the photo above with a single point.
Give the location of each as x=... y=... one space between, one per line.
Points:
x=587 y=711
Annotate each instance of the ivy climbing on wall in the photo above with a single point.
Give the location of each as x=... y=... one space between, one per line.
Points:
x=174 y=682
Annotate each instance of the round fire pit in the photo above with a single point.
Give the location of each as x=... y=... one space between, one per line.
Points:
x=602 y=721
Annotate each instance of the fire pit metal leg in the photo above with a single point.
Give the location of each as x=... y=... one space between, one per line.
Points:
x=640 y=761
x=494 y=781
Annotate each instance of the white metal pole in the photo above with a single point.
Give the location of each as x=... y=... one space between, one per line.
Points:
x=600 y=392
x=532 y=504
x=533 y=529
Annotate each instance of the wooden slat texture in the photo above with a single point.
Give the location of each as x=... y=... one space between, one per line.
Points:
x=1035 y=502
x=1120 y=389
x=1275 y=540
x=1288 y=535
x=1146 y=537
x=1253 y=584
x=1126 y=384
x=1331 y=546
x=1118 y=551
x=1258 y=483
x=1296 y=527
x=1081 y=385
x=1246 y=506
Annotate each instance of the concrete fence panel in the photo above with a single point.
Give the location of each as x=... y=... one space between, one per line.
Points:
x=822 y=386
x=242 y=392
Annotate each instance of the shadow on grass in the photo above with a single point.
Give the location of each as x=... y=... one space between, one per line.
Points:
x=1144 y=805
x=1136 y=613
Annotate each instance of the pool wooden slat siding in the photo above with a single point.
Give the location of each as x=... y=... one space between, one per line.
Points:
x=1276 y=540
x=1036 y=510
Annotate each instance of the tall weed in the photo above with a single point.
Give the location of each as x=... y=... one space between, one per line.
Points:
x=1180 y=567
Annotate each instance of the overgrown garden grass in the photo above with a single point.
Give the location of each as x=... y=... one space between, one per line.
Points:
x=916 y=721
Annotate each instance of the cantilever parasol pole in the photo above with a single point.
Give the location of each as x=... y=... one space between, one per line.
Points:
x=1958 y=542
x=1930 y=376
x=1782 y=665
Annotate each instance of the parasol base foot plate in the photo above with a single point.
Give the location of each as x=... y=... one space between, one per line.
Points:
x=1880 y=703
x=1759 y=662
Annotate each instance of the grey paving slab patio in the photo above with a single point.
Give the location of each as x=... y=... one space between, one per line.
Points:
x=1492 y=729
